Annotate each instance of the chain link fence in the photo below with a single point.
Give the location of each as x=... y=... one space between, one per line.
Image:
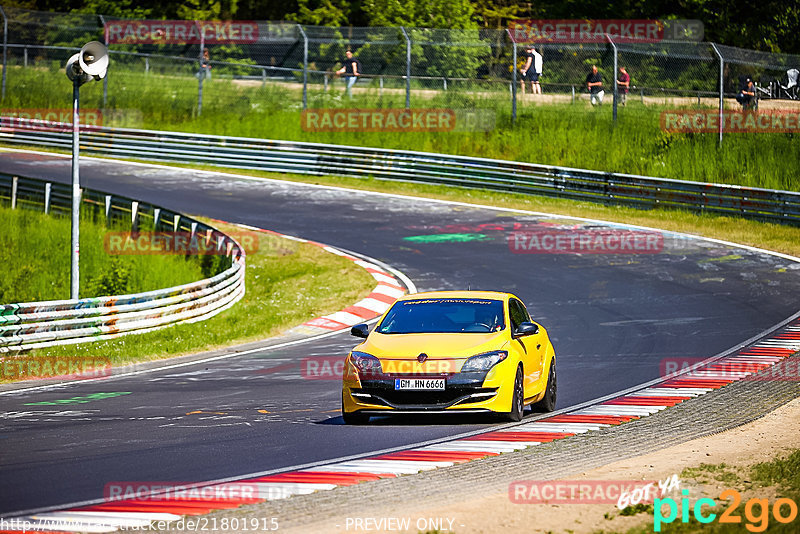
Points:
x=265 y=67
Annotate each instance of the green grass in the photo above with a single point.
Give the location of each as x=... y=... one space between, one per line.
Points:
x=287 y=283
x=35 y=252
x=563 y=134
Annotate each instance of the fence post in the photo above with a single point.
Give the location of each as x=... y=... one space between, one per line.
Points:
x=147 y=64
x=105 y=78
x=305 y=66
x=513 y=77
x=721 y=90
x=25 y=57
x=408 y=67
x=5 y=50
x=202 y=72
x=614 y=107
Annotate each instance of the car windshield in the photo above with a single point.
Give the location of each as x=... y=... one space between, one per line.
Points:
x=444 y=315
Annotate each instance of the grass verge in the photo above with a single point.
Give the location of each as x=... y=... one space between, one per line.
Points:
x=287 y=284
x=31 y=276
x=555 y=133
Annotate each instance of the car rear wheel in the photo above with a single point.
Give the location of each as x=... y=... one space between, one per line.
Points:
x=548 y=402
x=518 y=399
x=353 y=418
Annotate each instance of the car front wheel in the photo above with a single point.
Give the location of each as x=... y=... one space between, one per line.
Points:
x=548 y=402
x=517 y=400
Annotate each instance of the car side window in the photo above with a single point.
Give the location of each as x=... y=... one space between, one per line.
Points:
x=517 y=312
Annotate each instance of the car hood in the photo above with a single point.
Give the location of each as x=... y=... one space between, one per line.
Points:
x=436 y=346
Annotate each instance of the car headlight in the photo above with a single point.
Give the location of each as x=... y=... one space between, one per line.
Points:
x=485 y=361
x=367 y=364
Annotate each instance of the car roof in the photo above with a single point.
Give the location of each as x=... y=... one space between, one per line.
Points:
x=494 y=295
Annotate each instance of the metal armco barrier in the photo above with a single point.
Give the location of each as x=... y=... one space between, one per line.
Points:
x=462 y=171
x=44 y=324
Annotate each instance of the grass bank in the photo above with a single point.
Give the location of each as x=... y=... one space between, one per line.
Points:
x=35 y=253
x=287 y=283
x=556 y=133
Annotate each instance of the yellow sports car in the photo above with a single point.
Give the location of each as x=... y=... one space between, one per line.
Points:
x=447 y=352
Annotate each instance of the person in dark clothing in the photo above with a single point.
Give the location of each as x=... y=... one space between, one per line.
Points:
x=747 y=96
x=351 y=71
x=594 y=83
x=623 y=83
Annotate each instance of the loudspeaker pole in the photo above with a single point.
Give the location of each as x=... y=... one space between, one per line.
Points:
x=76 y=193
x=91 y=63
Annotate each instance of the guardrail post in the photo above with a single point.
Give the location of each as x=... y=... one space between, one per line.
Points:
x=14 y=185
x=108 y=206
x=48 y=188
x=305 y=66
x=408 y=67
x=721 y=90
x=5 y=49
x=176 y=222
x=134 y=216
x=513 y=77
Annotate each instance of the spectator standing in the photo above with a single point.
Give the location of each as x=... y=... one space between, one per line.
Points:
x=527 y=69
x=594 y=83
x=351 y=71
x=624 y=83
x=205 y=65
x=537 y=67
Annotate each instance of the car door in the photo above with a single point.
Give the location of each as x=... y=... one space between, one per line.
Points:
x=530 y=347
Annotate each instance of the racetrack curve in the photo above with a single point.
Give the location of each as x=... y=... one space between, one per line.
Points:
x=613 y=320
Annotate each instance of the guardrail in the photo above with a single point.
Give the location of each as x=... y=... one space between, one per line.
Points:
x=34 y=325
x=462 y=171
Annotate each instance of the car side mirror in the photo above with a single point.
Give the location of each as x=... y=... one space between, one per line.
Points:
x=360 y=330
x=527 y=329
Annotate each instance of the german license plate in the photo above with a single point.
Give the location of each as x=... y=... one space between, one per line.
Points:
x=419 y=383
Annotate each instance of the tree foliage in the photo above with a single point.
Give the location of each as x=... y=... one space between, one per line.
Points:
x=770 y=25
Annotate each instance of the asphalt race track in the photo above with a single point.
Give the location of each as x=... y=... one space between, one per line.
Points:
x=613 y=318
